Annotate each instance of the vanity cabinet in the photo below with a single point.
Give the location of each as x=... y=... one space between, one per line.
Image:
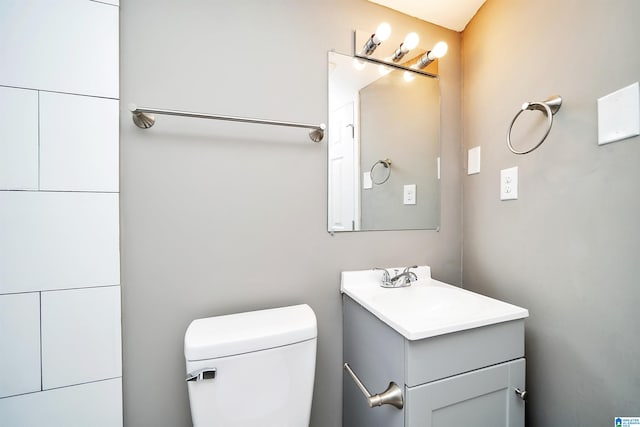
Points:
x=466 y=377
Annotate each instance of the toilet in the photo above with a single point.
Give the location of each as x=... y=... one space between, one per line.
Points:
x=253 y=369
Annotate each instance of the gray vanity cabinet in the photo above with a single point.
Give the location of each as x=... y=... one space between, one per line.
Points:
x=462 y=378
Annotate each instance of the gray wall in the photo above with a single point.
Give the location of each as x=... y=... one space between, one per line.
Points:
x=224 y=217
x=400 y=121
x=568 y=249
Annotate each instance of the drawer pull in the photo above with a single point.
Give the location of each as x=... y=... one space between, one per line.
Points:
x=391 y=396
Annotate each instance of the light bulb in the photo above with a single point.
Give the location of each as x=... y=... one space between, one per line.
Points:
x=410 y=41
x=383 y=32
x=439 y=50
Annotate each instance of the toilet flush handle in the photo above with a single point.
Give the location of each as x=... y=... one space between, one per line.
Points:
x=202 y=374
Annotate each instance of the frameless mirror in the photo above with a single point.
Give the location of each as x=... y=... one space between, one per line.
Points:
x=383 y=147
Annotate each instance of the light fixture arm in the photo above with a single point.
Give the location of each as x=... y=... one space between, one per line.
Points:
x=400 y=52
x=425 y=60
x=370 y=45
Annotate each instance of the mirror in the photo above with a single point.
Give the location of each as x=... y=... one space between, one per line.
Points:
x=383 y=147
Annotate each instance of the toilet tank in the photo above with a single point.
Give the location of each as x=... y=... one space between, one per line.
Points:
x=253 y=369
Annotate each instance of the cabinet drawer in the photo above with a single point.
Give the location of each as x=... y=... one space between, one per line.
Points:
x=451 y=354
x=484 y=397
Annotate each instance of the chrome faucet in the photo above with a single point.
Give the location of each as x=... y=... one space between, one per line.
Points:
x=399 y=280
x=386 y=278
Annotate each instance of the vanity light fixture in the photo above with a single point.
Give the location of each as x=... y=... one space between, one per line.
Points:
x=438 y=51
x=382 y=33
x=410 y=42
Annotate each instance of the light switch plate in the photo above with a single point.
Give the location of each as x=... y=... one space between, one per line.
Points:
x=509 y=183
x=367 y=183
x=619 y=115
x=410 y=194
x=473 y=161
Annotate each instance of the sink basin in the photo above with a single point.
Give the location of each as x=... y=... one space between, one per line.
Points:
x=428 y=307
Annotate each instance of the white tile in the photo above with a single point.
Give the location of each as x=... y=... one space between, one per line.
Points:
x=78 y=143
x=96 y=404
x=19 y=344
x=80 y=336
x=63 y=45
x=58 y=240
x=18 y=139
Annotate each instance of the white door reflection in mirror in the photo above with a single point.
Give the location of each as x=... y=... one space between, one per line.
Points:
x=343 y=175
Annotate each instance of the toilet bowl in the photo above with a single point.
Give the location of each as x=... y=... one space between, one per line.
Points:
x=253 y=369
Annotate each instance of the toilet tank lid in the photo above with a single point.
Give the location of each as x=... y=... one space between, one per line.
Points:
x=239 y=333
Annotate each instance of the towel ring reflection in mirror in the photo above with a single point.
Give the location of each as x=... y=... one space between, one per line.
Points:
x=387 y=165
x=549 y=107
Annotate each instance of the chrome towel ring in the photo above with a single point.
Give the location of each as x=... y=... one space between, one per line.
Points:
x=549 y=107
x=387 y=164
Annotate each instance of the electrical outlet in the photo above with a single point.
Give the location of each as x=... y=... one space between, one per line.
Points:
x=509 y=184
x=410 y=194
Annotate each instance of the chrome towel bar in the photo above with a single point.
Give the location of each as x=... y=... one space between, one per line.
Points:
x=144 y=118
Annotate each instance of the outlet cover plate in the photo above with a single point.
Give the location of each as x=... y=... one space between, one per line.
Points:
x=409 y=194
x=509 y=183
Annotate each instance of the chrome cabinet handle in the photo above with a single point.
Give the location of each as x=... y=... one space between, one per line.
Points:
x=522 y=394
x=391 y=396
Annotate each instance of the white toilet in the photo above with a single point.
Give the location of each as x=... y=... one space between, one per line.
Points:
x=252 y=369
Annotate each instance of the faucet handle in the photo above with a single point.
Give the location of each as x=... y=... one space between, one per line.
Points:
x=411 y=276
x=406 y=270
x=386 y=277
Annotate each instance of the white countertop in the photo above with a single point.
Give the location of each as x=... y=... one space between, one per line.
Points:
x=428 y=307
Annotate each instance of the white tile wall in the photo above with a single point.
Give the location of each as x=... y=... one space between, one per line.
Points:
x=78 y=143
x=58 y=240
x=96 y=404
x=63 y=46
x=80 y=336
x=59 y=135
x=19 y=344
x=18 y=138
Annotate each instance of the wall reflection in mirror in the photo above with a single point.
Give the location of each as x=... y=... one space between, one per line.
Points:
x=383 y=147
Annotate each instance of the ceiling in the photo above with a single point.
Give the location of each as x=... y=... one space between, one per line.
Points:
x=452 y=14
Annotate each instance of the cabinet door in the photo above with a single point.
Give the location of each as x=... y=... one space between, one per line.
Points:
x=484 y=397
